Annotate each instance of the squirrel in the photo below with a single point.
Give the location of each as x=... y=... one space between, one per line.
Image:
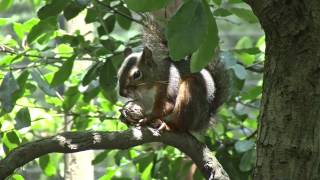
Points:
x=167 y=90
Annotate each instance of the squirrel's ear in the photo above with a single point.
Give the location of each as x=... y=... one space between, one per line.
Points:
x=147 y=56
x=127 y=52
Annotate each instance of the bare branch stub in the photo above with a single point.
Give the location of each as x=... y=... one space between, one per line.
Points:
x=69 y=142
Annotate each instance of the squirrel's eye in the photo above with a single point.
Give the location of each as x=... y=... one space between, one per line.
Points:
x=137 y=75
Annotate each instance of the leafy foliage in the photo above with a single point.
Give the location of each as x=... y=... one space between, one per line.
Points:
x=48 y=71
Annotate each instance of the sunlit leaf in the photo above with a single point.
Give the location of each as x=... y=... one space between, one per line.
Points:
x=11 y=140
x=5 y=4
x=18 y=29
x=3 y=21
x=146 y=174
x=47 y=165
x=17 y=177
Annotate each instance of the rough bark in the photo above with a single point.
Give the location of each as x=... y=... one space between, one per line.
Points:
x=288 y=145
x=70 y=142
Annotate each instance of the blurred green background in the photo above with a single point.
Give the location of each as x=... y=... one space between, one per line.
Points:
x=37 y=103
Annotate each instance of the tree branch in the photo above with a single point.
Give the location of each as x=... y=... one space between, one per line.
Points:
x=70 y=142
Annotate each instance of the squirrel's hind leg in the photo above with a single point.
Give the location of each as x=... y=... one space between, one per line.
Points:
x=191 y=111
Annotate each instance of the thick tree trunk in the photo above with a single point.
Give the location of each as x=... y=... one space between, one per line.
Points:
x=288 y=145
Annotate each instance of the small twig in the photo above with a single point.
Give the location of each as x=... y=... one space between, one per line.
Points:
x=227 y=20
x=120 y=13
x=251 y=135
x=253 y=67
x=247 y=105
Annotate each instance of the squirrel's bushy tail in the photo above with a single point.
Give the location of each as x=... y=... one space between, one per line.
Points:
x=221 y=79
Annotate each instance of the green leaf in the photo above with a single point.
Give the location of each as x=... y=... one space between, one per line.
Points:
x=146 y=174
x=228 y=59
x=17 y=177
x=11 y=140
x=100 y=157
x=63 y=73
x=92 y=74
x=27 y=26
x=90 y=94
x=91 y=16
x=244 y=14
x=252 y=51
x=22 y=119
x=247 y=161
x=64 y=50
x=189 y=27
x=110 y=23
x=218 y=2
x=52 y=9
x=222 y=12
x=143 y=161
x=5 y=4
x=8 y=87
x=18 y=29
x=3 y=21
x=110 y=172
x=71 y=97
x=72 y=10
x=47 y=165
x=240 y=71
x=22 y=80
x=252 y=93
x=243 y=146
x=205 y=53
x=235 y=1
x=124 y=22
x=108 y=76
x=44 y=26
x=146 y=5
x=42 y=84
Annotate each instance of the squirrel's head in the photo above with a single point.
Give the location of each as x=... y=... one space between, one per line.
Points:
x=135 y=73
